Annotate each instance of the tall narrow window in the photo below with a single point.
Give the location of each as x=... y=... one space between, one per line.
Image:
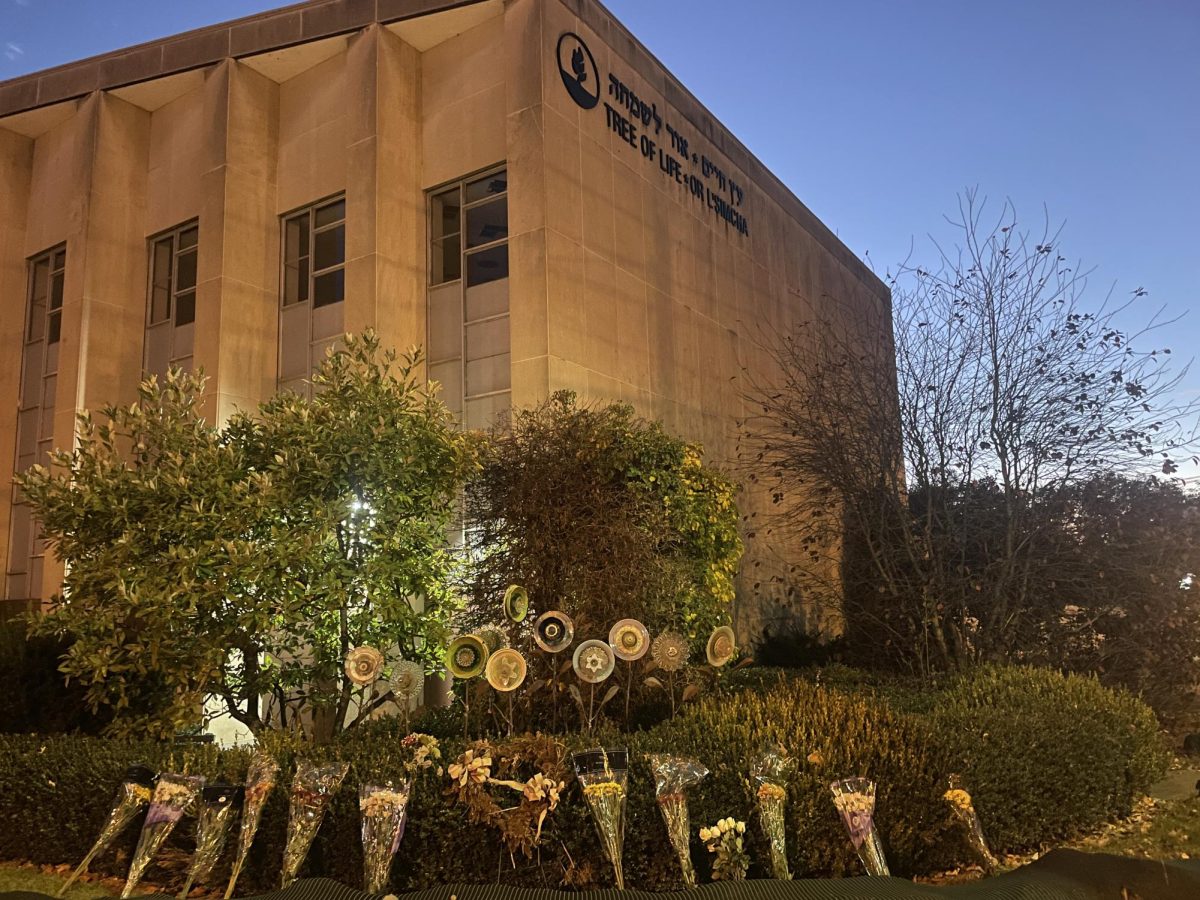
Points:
x=172 y=303
x=35 y=413
x=468 y=341
x=313 y=288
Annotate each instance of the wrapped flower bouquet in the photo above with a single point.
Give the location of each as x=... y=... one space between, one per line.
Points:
x=260 y=781
x=672 y=776
x=132 y=797
x=604 y=776
x=855 y=800
x=218 y=809
x=770 y=775
x=172 y=796
x=312 y=791
x=384 y=808
x=963 y=808
x=727 y=840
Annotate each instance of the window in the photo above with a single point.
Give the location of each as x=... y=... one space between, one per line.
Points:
x=314 y=259
x=469 y=231
x=171 y=309
x=468 y=340
x=35 y=413
x=313 y=287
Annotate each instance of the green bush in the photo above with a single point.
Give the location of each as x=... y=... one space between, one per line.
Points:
x=34 y=695
x=1043 y=755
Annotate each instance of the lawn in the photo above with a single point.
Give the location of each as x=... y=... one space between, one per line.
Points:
x=25 y=877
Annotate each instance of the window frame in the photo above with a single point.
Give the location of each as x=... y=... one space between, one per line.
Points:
x=173 y=292
x=309 y=211
x=54 y=267
x=464 y=207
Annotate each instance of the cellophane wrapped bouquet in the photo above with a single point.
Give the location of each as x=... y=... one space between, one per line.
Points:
x=604 y=776
x=132 y=797
x=963 y=807
x=260 y=781
x=770 y=777
x=313 y=789
x=384 y=808
x=173 y=795
x=855 y=800
x=219 y=805
x=672 y=776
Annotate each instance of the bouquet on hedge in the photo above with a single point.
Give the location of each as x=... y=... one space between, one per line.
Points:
x=313 y=790
x=770 y=774
x=219 y=806
x=963 y=808
x=727 y=840
x=604 y=775
x=132 y=797
x=260 y=781
x=384 y=809
x=855 y=800
x=172 y=796
x=672 y=775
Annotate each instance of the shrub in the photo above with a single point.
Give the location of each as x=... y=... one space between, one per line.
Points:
x=34 y=695
x=1051 y=755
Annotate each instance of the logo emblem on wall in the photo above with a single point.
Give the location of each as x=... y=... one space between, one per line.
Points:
x=577 y=66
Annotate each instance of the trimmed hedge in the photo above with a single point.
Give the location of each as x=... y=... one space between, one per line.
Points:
x=1043 y=754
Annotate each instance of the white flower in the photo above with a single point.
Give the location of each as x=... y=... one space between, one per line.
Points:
x=705 y=834
x=741 y=827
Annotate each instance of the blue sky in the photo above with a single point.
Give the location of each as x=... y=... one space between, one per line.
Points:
x=877 y=113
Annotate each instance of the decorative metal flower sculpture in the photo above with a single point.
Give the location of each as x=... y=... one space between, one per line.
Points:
x=364 y=665
x=722 y=646
x=670 y=651
x=629 y=639
x=593 y=661
x=516 y=603
x=408 y=679
x=506 y=670
x=466 y=656
x=553 y=631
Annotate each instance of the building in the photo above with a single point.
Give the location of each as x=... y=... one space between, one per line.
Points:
x=516 y=184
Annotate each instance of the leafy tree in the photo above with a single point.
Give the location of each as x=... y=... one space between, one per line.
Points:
x=604 y=515
x=925 y=472
x=245 y=561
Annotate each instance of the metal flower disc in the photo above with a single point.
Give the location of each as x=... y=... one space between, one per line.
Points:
x=466 y=656
x=364 y=665
x=722 y=646
x=593 y=661
x=629 y=639
x=516 y=603
x=408 y=678
x=553 y=631
x=506 y=670
x=493 y=638
x=670 y=651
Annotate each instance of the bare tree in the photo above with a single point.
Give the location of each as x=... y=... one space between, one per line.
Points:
x=935 y=484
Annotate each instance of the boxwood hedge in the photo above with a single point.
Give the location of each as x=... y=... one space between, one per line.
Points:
x=1044 y=754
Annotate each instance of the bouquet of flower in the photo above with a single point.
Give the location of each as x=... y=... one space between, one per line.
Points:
x=672 y=775
x=312 y=791
x=260 y=781
x=132 y=797
x=855 y=800
x=770 y=772
x=727 y=840
x=384 y=809
x=220 y=803
x=604 y=775
x=172 y=796
x=963 y=808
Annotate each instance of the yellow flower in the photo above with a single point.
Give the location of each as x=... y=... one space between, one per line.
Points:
x=604 y=789
x=958 y=797
x=816 y=758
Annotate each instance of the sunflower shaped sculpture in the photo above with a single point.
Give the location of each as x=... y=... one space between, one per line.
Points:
x=506 y=670
x=408 y=679
x=722 y=646
x=553 y=631
x=629 y=639
x=364 y=665
x=516 y=603
x=670 y=651
x=466 y=656
x=493 y=638
x=593 y=661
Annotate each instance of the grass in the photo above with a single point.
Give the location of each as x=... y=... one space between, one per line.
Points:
x=1158 y=830
x=18 y=877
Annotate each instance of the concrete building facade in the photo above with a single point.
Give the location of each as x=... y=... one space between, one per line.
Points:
x=516 y=185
